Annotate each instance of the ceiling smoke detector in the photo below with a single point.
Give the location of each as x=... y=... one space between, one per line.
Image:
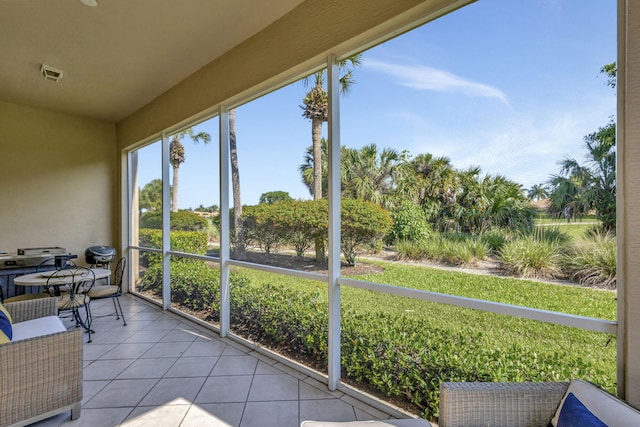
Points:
x=51 y=73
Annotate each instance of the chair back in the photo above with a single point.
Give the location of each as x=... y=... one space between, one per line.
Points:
x=119 y=273
x=76 y=281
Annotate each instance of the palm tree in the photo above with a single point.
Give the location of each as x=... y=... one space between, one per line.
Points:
x=592 y=185
x=316 y=108
x=537 y=192
x=151 y=196
x=177 y=157
x=368 y=174
x=235 y=184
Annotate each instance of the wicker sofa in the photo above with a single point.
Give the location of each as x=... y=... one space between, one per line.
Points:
x=470 y=404
x=40 y=376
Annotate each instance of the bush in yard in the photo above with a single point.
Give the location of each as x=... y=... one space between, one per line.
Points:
x=451 y=248
x=495 y=239
x=263 y=226
x=299 y=223
x=363 y=223
x=194 y=285
x=593 y=261
x=193 y=242
x=530 y=257
x=409 y=224
x=181 y=220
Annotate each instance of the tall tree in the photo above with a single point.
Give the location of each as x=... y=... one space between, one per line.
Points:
x=537 y=192
x=368 y=174
x=240 y=250
x=151 y=196
x=316 y=109
x=177 y=157
x=591 y=185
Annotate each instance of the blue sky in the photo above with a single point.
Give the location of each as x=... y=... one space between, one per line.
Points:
x=509 y=86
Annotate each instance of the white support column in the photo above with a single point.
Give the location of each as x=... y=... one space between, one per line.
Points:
x=225 y=162
x=131 y=214
x=166 y=222
x=334 y=222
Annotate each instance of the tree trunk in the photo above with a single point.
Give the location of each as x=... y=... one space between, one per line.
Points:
x=174 y=190
x=235 y=183
x=316 y=138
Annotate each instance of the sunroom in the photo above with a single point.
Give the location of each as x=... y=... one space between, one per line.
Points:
x=90 y=156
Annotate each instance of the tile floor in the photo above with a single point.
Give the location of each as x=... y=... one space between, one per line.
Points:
x=163 y=370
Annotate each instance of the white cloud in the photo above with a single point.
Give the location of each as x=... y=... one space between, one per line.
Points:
x=423 y=77
x=523 y=147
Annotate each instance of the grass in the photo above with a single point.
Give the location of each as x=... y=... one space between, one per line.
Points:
x=499 y=332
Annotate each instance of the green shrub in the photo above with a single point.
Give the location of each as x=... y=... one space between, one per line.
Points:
x=409 y=224
x=553 y=235
x=592 y=261
x=362 y=223
x=495 y=239
x=193 y=284
x=530 y=257
x=451 y=248
x=300 y=223
x=192 y=242
x=181 y=220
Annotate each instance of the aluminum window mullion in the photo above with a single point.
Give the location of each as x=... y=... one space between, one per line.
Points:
x=225 y=170
x=334 y=223
x=553 y=317
x=166 y=225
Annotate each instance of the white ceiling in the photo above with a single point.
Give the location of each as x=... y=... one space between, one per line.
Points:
x=120 y=55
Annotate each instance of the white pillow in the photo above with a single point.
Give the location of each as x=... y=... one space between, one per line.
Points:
x=609 y=409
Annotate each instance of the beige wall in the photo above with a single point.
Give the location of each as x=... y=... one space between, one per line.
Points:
x=58 y=180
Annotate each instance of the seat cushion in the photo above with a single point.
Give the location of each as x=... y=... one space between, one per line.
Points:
x=37 y=327
x=103 y=291
x=610 y=410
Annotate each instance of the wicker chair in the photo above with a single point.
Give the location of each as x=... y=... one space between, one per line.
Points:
x=514 y=404
x=42 y=376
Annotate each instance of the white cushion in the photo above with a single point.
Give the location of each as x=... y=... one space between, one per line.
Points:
x=609 y=409
x=37 y=327
x=386 y=423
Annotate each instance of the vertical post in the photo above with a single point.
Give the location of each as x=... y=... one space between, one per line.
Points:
x=334 y=222
x=621 y=223
x=131 y=212
x=166 y=220
x=225 y=161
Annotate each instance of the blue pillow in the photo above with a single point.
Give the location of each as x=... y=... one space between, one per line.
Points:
x=5 y=325
x=575 y=414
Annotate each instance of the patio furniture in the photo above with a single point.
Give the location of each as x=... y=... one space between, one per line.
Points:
x=79 y=281
x=112 y=291
x=41 y=367
x=529 y=404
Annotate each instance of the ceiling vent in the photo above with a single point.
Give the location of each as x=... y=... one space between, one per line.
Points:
x=51 y=73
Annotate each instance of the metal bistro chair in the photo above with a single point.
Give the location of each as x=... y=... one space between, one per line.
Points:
x=112 y=291
x=79 y=281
